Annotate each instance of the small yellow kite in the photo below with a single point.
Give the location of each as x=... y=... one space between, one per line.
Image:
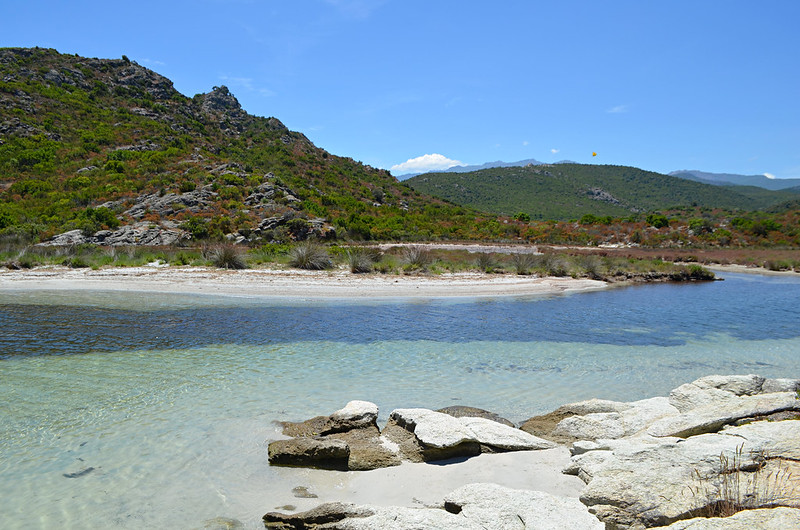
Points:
x=594 y=154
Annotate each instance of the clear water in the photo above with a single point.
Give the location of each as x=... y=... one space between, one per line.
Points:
x=154 y=411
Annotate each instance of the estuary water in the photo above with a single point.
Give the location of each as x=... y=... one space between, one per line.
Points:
x=155 y=410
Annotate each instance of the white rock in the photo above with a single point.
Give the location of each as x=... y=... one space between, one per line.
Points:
x=713 y=416
x=357 y=414
x=494 y=506
x=434 y=429
x=495 y=434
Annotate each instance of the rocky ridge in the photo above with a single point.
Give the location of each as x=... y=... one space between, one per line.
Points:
x=663 y=462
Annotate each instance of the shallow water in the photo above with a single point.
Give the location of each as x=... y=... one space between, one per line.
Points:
x=145 y=411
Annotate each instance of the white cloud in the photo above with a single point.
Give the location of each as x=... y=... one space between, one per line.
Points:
x=424 y=163
x=554 y=150
x=246 y=83
x=769 y=175
x=618 y=109
x=153 y=62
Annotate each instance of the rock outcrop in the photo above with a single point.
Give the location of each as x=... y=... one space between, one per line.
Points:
x=415 y=435
x=714 y=447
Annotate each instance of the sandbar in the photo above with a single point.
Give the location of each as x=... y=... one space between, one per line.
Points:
x=290 y=283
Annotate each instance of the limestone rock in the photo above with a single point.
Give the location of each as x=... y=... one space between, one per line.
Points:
x=497 y=435
x=471 y=507
x=433 y=429
x=493 y=506
x=714 y=388
x=325 y=513
x=781 y=517
x=355 y=415
x=610 y=425
x=645 y=483
x=713 y=416
x=323 y=453
x=460 y=411
x=544 y=425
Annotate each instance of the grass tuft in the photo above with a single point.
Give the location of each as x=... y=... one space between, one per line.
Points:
x=227 y=257
x=310 y=256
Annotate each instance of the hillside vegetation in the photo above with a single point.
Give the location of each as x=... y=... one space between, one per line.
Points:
x=569 y=191
x=106 y=152
x=94 y=144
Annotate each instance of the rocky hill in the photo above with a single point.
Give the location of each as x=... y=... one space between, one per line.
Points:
x=109 y=150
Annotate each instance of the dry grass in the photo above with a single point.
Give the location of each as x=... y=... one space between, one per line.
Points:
x=746 y=484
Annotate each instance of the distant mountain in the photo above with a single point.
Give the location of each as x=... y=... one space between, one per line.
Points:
x=568 y=191
x=725 y=179
x=487 y=165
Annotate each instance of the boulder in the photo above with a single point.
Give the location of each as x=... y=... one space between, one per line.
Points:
x=645 y=483
x=314 y=518
x=440 y=436
x=354 y=415
x=610 y=425
x=544 y=425
x=322 y=453
x=498 y=436
x=711 y=417
x=714 y=388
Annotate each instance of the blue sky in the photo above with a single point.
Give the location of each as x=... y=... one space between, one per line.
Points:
x=709 y=85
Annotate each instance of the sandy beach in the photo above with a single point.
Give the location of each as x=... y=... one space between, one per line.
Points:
x=288 y=283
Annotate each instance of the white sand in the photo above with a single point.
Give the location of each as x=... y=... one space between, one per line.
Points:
x=289 y=283
x=426 y=484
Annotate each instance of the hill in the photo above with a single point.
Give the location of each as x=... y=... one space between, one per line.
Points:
x=98 y=145
x=564 y=191
x=727 y=179
x=487 y=165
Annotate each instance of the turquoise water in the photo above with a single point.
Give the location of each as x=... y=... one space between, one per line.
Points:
x=154 y=411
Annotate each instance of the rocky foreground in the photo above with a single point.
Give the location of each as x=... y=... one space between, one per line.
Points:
x=720 y=452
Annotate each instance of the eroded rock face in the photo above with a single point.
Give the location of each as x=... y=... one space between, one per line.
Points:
x=784 y=518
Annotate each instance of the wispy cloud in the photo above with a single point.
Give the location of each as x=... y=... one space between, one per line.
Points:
x=424 y=163
x=525 y=142
x=554 y=150
x=619 y=109
x=153 y=62
x=246 y=83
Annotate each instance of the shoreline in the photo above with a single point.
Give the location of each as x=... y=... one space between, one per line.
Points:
x=290 y=283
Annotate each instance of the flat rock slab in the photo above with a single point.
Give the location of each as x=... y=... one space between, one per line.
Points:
x=438 y=430
x=713 y=416
x=471 y=507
